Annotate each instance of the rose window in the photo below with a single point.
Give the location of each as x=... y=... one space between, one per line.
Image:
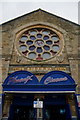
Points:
x=39 y=44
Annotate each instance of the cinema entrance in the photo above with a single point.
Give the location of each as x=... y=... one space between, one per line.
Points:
x=53 y=98
x=39 y=107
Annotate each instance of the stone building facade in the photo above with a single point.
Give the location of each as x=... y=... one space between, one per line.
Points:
x=41 y=57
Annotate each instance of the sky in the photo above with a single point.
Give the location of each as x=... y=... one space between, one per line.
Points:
x=10 y=9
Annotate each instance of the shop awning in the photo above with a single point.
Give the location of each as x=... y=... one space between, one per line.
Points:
x=24 y=81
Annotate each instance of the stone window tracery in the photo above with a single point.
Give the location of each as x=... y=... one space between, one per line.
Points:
x=39 y=44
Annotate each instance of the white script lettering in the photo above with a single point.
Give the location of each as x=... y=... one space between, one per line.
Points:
x=50 y=80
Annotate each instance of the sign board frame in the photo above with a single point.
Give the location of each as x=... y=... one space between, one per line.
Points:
x=38 y=104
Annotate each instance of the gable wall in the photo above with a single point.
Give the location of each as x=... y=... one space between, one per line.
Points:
x=68 y=55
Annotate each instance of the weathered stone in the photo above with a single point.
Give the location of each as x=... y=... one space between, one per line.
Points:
x=70 y=45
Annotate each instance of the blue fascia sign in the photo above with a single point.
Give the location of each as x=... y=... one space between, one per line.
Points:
x=26 y=81
x=57 y=78
x=21 y=78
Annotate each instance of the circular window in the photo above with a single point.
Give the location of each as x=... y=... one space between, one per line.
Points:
x=39 y=44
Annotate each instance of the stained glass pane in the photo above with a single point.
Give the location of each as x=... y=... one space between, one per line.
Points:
x=39 y=43
x=55 y=48
x=24 y=38
x=33 y=32
x=49 y=42
x=46 y=32
x=23 y=48
x=32 y=37
x=39 y=35
x=46 y=47
x=55 y=38
x=32 y=47
x=32 y=55
x=46 y=37
x=29 y=42
x=46 y=55
x=39 y=49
